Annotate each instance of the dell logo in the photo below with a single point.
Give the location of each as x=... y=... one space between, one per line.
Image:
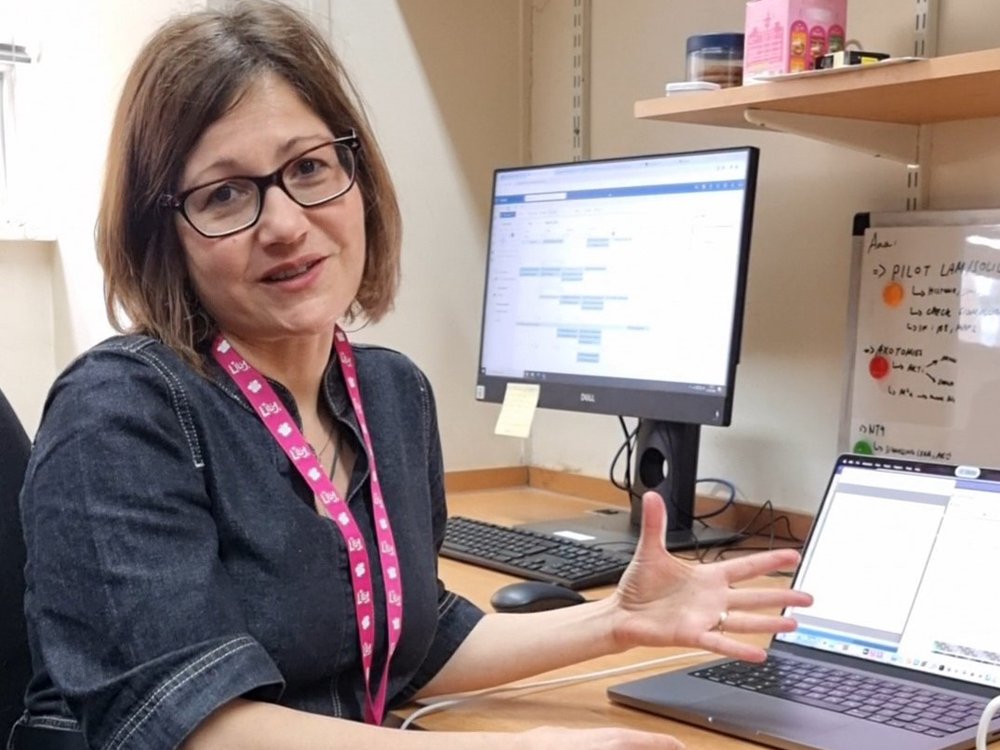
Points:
x=588 y=398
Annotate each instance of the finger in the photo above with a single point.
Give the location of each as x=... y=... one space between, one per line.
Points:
x=653 y=532
x=751 y=622
x=759 y=564
x=722 y=644
x=639 y=739
x=750 y=599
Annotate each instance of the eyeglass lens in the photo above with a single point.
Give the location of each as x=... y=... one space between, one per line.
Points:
x=315 y=177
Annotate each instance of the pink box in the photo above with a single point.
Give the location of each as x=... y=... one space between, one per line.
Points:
x=786 y=36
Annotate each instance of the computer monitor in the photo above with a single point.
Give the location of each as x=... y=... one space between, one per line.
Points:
x=617 y=287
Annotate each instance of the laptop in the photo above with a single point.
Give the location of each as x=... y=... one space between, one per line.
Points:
x=901 y=648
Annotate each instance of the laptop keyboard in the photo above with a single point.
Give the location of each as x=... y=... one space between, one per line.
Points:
x=913 y=708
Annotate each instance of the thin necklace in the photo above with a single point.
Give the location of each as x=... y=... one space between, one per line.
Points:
x=319 y=453
x=336 y=451
x=336 y=455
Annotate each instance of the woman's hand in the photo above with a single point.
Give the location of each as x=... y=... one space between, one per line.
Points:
x=664 y=601
x=544 y=738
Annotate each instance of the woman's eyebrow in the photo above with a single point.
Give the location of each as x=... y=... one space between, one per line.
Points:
x=231 y=165
x=302 y=142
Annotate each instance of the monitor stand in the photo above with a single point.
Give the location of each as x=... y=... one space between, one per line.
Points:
x=666 y=461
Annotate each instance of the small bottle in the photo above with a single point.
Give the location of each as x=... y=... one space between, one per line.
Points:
x=716 y=58
x=799 y=54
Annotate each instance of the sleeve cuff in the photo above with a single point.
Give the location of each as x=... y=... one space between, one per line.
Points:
x=180 y=703
x=456 y=619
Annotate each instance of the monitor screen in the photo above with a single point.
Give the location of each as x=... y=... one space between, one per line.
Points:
x=617 y=285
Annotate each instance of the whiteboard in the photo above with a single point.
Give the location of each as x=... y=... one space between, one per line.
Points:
x=924 y=364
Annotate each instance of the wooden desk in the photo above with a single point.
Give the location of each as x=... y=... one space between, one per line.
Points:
x=582 y=705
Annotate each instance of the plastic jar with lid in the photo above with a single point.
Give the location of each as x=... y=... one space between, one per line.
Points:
x=716 y=58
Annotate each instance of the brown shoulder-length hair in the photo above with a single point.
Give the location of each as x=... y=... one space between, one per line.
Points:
x=189 y=74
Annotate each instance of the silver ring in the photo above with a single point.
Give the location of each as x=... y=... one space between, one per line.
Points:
x=721 y=624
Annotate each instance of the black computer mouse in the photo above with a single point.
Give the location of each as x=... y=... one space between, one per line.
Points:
x=534 y=596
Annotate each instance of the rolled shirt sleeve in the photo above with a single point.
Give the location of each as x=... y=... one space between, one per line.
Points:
x=456 y=618
x=128 y=605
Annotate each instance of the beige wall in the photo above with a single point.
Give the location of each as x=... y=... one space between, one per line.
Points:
x=788 y=402
x=788 y=399
x=444 y=127
x=786 y=415
x=27 y=329
x=459 y=87
x=442 y=81
x=51 y=301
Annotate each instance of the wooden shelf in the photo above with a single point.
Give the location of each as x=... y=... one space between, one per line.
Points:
x=941 y=89
x=23 y=234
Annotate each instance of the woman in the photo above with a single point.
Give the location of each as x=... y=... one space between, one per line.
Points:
x=196 y=577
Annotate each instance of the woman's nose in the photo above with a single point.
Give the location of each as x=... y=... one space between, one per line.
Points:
x=281 y=219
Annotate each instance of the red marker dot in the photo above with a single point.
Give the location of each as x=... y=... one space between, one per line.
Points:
x=879 y=367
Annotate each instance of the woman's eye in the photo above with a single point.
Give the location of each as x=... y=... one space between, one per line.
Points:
x=310 y=167
x=221 y=194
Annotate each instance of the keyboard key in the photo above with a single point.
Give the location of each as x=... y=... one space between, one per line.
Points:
x=936 y=724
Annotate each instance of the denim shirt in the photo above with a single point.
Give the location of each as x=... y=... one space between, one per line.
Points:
x=176 y=559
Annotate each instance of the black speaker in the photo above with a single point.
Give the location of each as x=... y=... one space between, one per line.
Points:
x=666 y=461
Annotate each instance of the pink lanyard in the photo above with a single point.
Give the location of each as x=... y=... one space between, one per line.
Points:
x=284 y=430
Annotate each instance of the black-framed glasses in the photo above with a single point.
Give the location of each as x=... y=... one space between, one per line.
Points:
x=314 y=177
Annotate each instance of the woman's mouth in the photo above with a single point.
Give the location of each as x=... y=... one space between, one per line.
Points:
x=291 y=272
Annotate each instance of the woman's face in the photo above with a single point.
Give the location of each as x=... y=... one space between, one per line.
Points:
x=297 y=270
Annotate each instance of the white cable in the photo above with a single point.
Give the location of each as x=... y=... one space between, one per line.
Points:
x=983 y=733
x=444 y=702
x=447 y=701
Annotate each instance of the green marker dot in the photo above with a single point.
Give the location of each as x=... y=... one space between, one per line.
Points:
x=864 y=448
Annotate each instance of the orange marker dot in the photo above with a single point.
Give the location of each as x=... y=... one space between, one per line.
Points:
x=893 y=294
x=879 y=367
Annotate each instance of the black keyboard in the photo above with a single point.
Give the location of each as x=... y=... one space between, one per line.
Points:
x=529 y=554
x=914 y=708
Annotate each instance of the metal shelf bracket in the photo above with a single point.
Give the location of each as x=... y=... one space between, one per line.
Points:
x=888 y=140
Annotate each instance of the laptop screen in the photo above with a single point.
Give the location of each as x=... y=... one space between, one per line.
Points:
x=916 y=588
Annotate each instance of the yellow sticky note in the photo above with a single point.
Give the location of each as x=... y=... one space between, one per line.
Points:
x=518 y=410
